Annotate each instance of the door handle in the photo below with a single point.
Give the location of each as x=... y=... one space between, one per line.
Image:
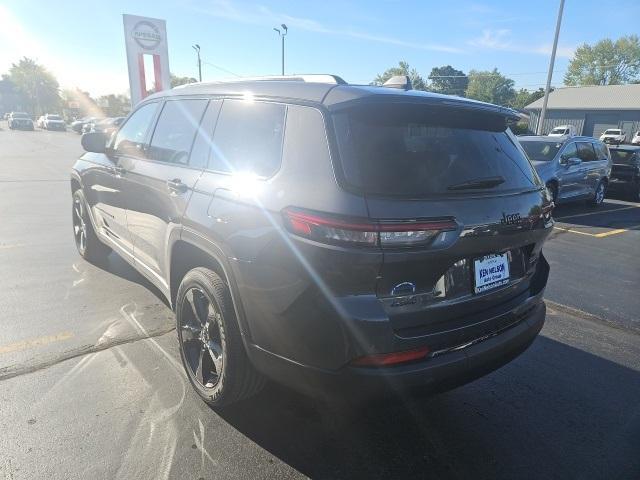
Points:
x=176 y=186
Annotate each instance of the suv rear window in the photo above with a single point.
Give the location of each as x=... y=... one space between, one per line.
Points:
x=415 y=150
x=623 y=156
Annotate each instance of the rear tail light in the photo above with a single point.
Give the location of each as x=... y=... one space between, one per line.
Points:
x=390 y=359
x=364 y=232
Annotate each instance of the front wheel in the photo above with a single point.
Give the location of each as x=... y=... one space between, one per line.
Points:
x=211 y=345
x=598 y=196
x=89 y=246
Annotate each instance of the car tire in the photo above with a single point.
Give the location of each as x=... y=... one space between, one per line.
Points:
x=89 y=246
x=598 y=195
x=211 y=346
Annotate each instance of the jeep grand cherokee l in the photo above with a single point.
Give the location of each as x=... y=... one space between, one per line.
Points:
x=326 y=235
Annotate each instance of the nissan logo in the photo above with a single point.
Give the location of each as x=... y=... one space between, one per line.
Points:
x=147 y=35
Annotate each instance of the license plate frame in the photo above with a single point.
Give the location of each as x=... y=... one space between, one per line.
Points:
x=490 y=272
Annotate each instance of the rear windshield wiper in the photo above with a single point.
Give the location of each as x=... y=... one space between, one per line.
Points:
x=488 y=182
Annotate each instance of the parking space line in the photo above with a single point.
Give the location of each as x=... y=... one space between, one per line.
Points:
x=575 y=231
x=34 y=342
x=610 y=232
x=613 y=210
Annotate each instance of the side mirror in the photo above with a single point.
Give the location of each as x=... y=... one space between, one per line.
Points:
x=95 y=142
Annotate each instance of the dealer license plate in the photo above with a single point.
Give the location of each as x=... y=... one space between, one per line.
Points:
x=491 y=271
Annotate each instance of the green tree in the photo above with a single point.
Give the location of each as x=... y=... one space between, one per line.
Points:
x=524 y=97
x=403 y=68
x=175 y=80
x=448 y=80
x=10 y=97
x=37 y=85
x=605 y=63
x=490 y=86
x=115 y=105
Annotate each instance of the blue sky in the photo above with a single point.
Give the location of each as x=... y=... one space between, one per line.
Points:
x=82 y=41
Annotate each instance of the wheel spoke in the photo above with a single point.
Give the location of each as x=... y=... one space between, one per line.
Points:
x=215 y=350
x=199 y=374
x=77 y=210
x=190 y=332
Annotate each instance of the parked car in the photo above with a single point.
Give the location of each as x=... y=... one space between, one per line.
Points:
x=20 y=121
x=78 y=125
x=337 y=237
x=636 y=139
x=105 y=125
x=108 y=125
x=51 y=122
x=625 y=173
x=575 y=168
x=563 y=131
x=613 y=136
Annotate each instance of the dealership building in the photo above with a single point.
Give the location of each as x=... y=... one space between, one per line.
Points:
x=591 y=109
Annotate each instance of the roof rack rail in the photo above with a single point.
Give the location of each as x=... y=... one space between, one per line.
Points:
x=308 y=78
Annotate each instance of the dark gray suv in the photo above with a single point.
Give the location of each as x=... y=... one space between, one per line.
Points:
x=326 y=235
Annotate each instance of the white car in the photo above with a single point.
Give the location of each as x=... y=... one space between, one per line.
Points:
x=53 y=122
x=563 y=131
x=636 y=139
x=613 y=135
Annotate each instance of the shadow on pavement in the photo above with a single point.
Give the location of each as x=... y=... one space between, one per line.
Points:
x=608 y=215
x=116 y=265
x=556 y=412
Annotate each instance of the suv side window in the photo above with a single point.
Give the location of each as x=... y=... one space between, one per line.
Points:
x=176 y=129
x=570 y=151
x=248 y=138
x=130 y=138
x=602 y=152
x=586 y=152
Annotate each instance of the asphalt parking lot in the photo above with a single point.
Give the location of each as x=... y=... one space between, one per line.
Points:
x=91 y=385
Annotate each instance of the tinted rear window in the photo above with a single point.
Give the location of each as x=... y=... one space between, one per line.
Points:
x=623 y=156
x=415 y=150
x=541 y=151
x=248 y=138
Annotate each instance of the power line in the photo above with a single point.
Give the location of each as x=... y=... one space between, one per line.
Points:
x=221 y=68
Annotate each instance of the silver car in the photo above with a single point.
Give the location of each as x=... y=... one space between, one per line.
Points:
x=575 y=168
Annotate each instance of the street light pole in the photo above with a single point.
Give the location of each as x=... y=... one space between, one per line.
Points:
x=543 y=112
x=282 y=33
x=196 y=47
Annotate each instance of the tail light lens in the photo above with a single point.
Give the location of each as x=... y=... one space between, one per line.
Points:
x=364 y=232
x=390 y=359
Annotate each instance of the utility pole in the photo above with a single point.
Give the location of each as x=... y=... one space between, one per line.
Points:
x=282 y=33
x=543 y=112
x=196 y=47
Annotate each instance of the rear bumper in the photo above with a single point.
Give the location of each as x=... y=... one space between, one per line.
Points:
x=438 y=373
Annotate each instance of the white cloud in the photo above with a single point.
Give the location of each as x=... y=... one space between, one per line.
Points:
x=261 y=15
x=501 y=39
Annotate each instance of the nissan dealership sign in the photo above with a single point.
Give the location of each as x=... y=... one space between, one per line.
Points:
x=146 y=36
